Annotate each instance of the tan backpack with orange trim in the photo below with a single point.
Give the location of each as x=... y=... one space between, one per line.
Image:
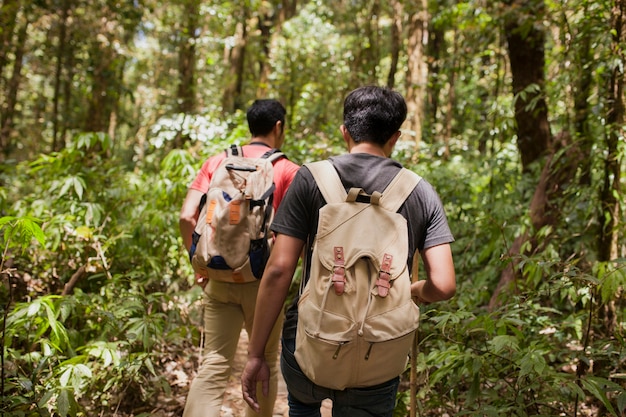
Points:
x=231 y=239
x=356 y=318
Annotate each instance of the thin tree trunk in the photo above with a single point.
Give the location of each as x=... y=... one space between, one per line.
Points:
x=96 y=118
x=417 y=71
x=235 y=58
x=611 y=194
x=396 y=41
x=67 y=93
x=8 y=114
x=447 y=132
x=282 y=13
x=436 y=50
x=186 y=92
x=267 y=21
x=500 y=62
x=58 y=74
x=369 y=57
x=8 y=18
x=105 y=84
x=287 y=11
x=187 y=58
x=582 y=92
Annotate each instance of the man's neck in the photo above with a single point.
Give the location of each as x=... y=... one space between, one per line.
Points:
x=368 y=148
x=262 y=140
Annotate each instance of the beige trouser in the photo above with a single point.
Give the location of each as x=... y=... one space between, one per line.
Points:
x=227 y=307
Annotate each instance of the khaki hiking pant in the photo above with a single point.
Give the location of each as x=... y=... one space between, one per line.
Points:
x=228 y=307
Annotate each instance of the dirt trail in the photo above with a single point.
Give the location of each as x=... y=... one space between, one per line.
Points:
x=234 y=405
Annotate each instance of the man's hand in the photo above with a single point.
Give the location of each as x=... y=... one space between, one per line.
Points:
x=256 y=370
x=201 y=281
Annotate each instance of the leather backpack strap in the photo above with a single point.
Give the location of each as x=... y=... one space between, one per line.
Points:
x=328 y=181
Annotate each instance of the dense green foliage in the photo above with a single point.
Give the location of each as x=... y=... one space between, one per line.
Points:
x=97 y=295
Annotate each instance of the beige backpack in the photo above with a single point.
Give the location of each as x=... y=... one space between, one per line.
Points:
x=356 y=318
x=231 y=239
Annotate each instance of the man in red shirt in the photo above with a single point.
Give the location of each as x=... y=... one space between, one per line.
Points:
x=229 y=306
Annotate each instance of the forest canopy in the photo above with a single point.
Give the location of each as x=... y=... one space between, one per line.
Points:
x=516 y=117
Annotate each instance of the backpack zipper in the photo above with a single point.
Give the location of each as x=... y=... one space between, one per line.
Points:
x=336 y=355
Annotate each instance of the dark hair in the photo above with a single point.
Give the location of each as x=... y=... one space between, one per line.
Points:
x=373 y=114
x=263 y=115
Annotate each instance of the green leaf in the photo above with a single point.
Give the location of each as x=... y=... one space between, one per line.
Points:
x=63 y=403
x=504 y=342
x=533 y=361
x=598 y=387
x=621 y=402
x=22 y=230
x=474 y=390
x=76 y=183
x=66 y=404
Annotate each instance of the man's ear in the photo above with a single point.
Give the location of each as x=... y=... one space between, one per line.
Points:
x=278 y=128
x=394 y=138
x=391 y=143
x=344 y=131
x=347 y=138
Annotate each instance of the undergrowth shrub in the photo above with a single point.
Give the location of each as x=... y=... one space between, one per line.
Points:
x=93 y=312
x=542 y=350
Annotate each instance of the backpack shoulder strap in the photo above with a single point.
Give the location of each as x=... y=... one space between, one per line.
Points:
x=399 y=189
x=273 y=155
x=234 y=150
x=328 y=181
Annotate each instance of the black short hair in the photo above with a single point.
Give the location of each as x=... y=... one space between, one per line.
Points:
x=373 y=114
x=263 y=115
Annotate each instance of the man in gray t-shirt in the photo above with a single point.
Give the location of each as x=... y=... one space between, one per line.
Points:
x=372 y=118
x=297 y=217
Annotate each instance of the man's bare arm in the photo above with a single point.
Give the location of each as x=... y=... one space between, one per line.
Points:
x=270 y=301
x=440 y=282
x=189 y=216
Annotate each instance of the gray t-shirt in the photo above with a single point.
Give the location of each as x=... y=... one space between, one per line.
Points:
x=298 y=213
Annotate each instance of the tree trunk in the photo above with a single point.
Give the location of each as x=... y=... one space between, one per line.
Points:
x=187 y=58
x=59 y=74
x=450 y=105
x=98 y=115
x=70 y=69
x=8 y=113
x=235 y=60
x=267 y=21
x=8 y=17
x=527 y=58
x=526 y=54
x=370 y=53
x=558 y=172
x=500 y=63
x=417 y=71
x=186 y=92
x=582 y=92
x=611 y=194
x=107 y=70
x=287 y=10
x=436 y=51
x=396 y=41
x=282 y=12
